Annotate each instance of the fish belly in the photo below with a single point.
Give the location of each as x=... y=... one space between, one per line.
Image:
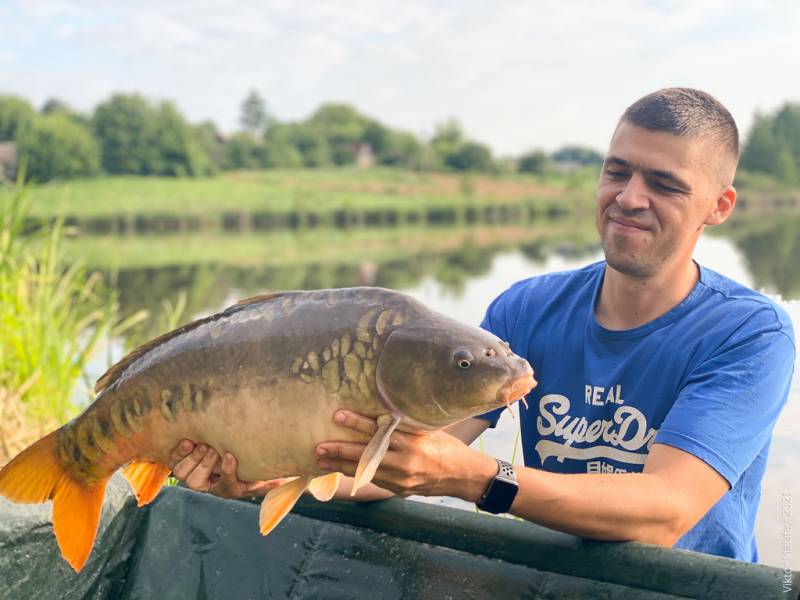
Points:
x=273 y=431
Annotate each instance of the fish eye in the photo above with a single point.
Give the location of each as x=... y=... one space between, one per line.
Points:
x=463 y=359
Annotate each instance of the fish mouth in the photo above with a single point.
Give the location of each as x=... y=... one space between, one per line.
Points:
x=517 y=389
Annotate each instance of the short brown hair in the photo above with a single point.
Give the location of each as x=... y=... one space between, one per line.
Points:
x=686 y=112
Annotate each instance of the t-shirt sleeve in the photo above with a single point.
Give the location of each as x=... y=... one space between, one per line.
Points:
x=496 y=321
x=728 y=406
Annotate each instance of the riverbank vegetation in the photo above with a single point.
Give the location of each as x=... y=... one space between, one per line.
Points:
x=53 y=318
x=302 y=198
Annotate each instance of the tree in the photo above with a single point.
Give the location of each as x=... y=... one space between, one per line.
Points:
x=395 y=148
x=773 y=145
x=241 y=152
x=255 y=118
x=471 y=156
x=56 y=146
x=16 y=115
x=787 y=126
x=281 y=151
x=312 y=144
x=138 y=139
x=785 y=166
x=127 y=129
x=582 y=155
x=535 y=161
x=759 y=153
x=342 y=127
x=211 y=142
x=54 y=105
x=180 y=154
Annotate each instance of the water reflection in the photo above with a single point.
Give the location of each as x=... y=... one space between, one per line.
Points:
x=771 y=246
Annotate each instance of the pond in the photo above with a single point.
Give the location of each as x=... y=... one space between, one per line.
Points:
x=458 y=271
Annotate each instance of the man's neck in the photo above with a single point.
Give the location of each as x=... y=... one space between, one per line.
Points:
x=627 y=302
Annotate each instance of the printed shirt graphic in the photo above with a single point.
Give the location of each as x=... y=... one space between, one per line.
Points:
x=709 y=377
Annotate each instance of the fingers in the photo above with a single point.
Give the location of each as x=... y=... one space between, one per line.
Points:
x=200 y=477
x=360 y=423
x=179 y=452
x=350 y=451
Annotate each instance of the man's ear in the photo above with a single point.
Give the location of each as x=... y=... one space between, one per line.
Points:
x=723 y=207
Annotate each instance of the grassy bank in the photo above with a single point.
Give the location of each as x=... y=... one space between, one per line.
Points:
x=273 y=199
x=53 y=318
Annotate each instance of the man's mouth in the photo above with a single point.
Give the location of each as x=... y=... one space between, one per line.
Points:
x=628 y=224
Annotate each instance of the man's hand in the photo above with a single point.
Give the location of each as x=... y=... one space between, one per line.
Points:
x=427 y=464
x=200 y=467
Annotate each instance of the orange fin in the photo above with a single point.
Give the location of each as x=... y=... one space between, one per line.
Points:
x=36 y=475
x=374 y=452
x=146 y=479
x=324 y=487
x=278 y=502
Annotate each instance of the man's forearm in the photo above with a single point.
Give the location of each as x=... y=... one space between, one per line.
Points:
x=612 y=507
x=366 y=493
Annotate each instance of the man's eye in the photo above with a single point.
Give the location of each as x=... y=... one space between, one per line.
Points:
x=617 y=174
x=661 y=187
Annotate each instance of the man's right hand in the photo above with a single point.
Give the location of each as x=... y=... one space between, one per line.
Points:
x=200 y=467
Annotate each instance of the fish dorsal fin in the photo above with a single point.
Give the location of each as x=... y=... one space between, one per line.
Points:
x=259 y=298
x=119 y=367
x=374 y=452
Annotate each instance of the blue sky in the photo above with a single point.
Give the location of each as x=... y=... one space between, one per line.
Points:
x=518 y=75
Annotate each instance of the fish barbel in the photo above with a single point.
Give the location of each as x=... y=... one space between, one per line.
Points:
x=262 y=380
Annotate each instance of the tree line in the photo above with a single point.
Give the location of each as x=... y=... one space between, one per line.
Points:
x=128 y=134
x=773 y=145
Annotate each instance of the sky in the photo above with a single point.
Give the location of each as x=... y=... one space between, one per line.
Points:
x=517 y=75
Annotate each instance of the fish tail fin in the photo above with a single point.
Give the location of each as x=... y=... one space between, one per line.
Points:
x=146 y=479
x=278 y=502
x=37 y=475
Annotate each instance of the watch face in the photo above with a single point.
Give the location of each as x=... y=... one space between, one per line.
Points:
x=502 y=490
x=505 y=494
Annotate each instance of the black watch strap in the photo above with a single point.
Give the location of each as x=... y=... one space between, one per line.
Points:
x=502 y=490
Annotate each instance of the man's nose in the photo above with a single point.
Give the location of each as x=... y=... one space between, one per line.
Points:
x=635 y=194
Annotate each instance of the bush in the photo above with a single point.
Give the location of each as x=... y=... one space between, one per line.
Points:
x=535 y=161
x=56 y=146
x=16 y=116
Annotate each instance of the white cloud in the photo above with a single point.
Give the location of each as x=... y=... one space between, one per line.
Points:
x=517 y=75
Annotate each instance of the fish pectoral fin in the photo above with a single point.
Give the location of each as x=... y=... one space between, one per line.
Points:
x=146 y=479
x=374 y=452
x=324 y=487
x=278 y=502
x=37 y=475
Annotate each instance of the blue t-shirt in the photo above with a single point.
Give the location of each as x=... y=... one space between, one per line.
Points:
x=709 y=377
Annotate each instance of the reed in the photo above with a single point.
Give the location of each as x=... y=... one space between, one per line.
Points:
x=52 y=318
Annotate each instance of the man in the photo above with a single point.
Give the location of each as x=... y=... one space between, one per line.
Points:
x=660 y=380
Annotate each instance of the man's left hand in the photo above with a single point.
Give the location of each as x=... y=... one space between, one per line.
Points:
x=425 y=464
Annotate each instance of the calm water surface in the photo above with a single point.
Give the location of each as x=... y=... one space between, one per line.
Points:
x=459 y=273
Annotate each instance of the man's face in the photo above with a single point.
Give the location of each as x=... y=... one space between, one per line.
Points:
x=655 y=193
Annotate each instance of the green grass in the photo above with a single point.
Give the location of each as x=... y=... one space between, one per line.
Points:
x=52 y=316
x=297 y=191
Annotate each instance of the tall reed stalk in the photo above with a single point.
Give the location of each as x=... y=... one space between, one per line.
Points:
x=53 y=316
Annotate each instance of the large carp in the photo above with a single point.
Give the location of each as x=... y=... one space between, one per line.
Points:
x=262 y=380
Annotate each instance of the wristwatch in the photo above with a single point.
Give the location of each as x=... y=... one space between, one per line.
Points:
x=502 y=490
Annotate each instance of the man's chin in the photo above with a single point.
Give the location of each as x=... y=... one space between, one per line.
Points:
x=629 y=265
